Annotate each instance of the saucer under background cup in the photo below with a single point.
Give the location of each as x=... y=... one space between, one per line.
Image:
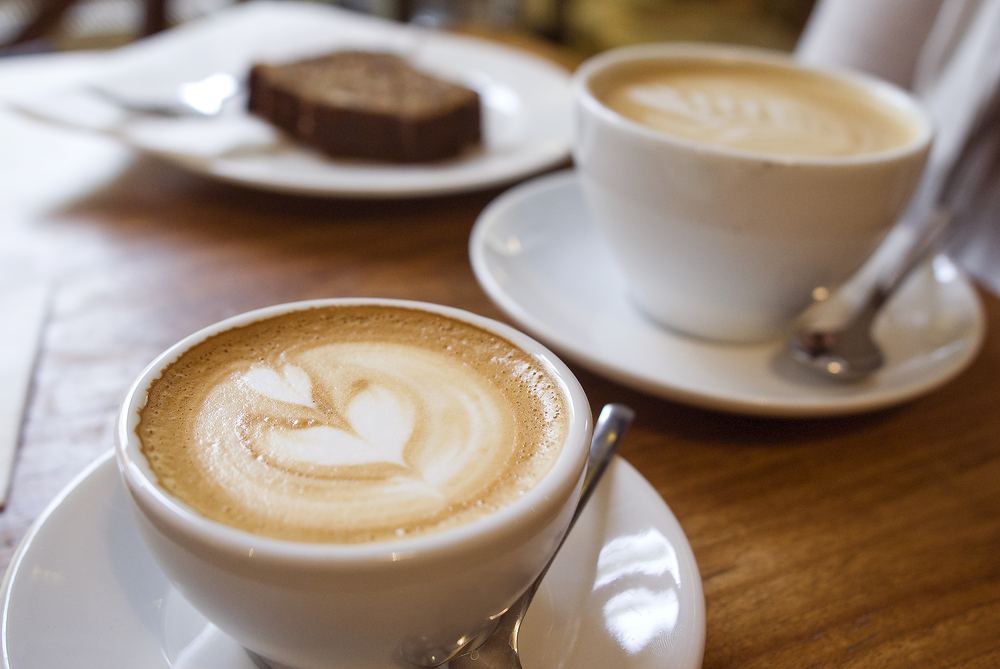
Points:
x=536 y=253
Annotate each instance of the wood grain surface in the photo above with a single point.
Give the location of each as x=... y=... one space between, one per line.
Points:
x=864 y=541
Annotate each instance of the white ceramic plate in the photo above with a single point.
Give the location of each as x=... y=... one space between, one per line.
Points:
x=526 y=102
x=83 y=591
x=536 y=254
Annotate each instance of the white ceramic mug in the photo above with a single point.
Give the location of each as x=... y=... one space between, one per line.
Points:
x=725 y=243
x=354 y=606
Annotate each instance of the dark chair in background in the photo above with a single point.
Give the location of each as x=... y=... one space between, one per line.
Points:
x=49 y=13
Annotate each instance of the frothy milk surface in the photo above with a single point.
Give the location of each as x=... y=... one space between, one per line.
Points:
x=352 y=424
x=753 y=107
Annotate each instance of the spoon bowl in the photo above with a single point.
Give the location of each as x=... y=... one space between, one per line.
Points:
x=847 y=351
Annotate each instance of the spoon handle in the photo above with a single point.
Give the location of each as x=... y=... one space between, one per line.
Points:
x=499 y=650
x=611 y=425
x=927 y=241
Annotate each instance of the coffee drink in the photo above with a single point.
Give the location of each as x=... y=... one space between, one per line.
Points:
x=353 y=482
x=754 y=106
x=352 y=424
x=729 y=183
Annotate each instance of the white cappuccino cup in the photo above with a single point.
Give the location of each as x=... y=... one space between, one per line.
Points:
x=353 y=483
x=730 y=183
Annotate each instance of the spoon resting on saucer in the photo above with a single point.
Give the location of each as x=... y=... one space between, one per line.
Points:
x=499 y=650
x=965 y=144
x=847 y=351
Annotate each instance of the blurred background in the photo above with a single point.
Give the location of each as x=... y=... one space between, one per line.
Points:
x=584 y=26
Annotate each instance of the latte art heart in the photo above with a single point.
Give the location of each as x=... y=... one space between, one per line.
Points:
x=377 y=429
x=291 y=385
x=322 y=427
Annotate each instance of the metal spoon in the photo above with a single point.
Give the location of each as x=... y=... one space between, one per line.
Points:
x=847 y=351
x=204 y=97
x=499 y=650
x=964 y=146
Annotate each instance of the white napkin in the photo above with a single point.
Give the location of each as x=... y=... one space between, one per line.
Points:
x=948 y=53
x=23 y=303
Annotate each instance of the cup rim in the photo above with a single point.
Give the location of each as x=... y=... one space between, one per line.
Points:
x=886 y=91
x=140 y=482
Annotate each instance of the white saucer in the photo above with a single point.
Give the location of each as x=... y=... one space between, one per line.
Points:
x=536 y=255
x=83 y=591
x=526 y=102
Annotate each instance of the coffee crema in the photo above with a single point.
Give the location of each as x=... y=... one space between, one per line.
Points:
x=352 y=424
x=753 y=106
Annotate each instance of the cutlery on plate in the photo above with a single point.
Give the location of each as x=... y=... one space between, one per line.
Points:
x=204 y=97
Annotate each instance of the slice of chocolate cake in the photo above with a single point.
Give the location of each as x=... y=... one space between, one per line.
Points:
x=363 y=104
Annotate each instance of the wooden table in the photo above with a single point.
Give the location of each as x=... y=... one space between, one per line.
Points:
x=871 y=540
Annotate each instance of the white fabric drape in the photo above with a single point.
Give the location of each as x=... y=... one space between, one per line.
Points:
x=948 y=53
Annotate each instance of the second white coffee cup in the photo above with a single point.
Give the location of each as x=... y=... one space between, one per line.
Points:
x=720 y=240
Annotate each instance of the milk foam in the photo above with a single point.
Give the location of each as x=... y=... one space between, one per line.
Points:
x=352 y=424
x=754 y=107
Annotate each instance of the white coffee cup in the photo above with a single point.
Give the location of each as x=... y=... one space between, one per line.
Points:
x=353 y=606
x=730 y=243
